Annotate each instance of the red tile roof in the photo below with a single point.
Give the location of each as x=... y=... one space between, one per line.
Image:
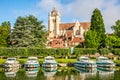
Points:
x=77 y=39
x=85 y=25
x=66 y=25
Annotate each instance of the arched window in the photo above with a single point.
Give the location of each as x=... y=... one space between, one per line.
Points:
x=78 y=32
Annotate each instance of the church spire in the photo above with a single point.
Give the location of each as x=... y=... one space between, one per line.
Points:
x=54 y=11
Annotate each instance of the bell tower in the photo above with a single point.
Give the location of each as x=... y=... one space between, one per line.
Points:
x=53 y=22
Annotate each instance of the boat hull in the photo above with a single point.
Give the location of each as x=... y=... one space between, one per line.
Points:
x=106 y=65
x=31 y=65
x=85 y=65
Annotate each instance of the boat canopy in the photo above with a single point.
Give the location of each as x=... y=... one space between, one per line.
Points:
x=11 y=59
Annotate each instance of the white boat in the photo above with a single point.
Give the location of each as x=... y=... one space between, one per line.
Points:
x=32 y=62
x=85 y=62
x=49 y=62
x=11 y=63
x=104 y=62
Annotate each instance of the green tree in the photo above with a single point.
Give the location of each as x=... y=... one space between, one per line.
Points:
x=92 y=39
x=28 y=32
x=113 y=42
x=116 y=28
x=4 y=33
x=97 y=24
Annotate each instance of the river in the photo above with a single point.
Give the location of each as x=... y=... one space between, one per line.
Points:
x=60 y=73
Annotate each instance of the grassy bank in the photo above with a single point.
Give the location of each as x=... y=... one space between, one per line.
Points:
x=22 y=61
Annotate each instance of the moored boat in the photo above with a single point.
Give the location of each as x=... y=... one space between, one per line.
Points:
x=32 y=62
x=11 y=63
x=85 y=62
x=104 y=62
x=49 y=61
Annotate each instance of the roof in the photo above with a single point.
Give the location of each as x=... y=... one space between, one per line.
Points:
x=69 y=33
x=83 y=57
x=32 y=57
x=66 y=25
x=49 y=57
x=102 y=57
x=85 y=25
x=57 y=39
x=77 y=39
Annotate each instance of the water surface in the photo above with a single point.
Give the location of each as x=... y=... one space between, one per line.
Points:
x=60 y=73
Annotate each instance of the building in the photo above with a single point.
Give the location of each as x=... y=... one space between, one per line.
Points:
x=63 y=35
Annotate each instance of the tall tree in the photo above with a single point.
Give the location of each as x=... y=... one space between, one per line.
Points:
x=4 y=33
x=97 y=24
x=28 y=32
x=116 y=28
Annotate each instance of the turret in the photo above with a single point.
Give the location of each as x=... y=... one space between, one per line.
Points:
x=54 y=21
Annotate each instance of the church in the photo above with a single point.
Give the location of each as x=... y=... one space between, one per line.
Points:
x=64 y=35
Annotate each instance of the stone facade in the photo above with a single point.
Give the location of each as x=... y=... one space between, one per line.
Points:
x=65 y=34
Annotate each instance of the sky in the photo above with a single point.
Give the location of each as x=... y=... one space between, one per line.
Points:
x=70 y=10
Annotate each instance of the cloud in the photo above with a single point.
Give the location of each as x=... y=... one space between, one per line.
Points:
x=82 y=10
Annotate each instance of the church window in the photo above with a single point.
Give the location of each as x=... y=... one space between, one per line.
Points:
x=54 y=20
x=78 y=32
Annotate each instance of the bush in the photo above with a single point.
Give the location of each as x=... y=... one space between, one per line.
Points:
x=116 y=51
x=89 y=51
x=104 y=51
x=25 y=52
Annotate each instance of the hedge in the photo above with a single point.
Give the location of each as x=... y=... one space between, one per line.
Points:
x=116 y=51
x=104 y=51
x=25 y=52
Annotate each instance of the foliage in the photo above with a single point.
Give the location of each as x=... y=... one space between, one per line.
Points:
x=2 y=61
x=113 y=42
x=25 y=52
x=65 y=60
x=116 y=28
x=97 y=24
x=4 y=33
x=116 y=51
x=90 y=50
x=104 y=51
x=92 y=40
x=78 y=51
x=28 y=32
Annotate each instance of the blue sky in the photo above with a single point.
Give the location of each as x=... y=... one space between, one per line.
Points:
x=70 y=10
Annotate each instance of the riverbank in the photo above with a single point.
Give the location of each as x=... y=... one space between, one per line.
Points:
x=22 y=61
x=61 y=61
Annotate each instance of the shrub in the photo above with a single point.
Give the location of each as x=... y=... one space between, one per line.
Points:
x=116 y=51
x=104 y=51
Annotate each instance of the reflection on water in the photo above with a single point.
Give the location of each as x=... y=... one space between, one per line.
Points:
x=60 y=73
x=49 y=71
x=105 y=73
x=11 y=72
x=31 y=72
x=86 y=70
x=85 y=73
